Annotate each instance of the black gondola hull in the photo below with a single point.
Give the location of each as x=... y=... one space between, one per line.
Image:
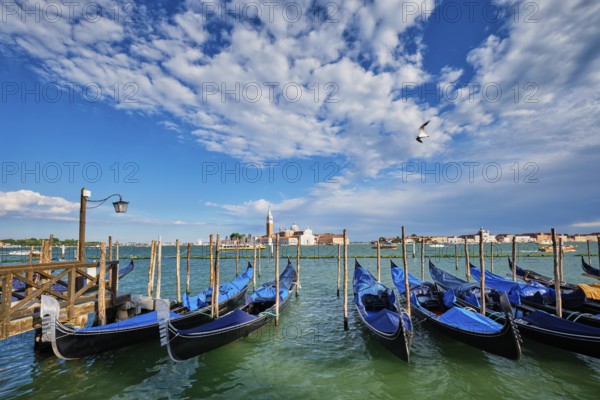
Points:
x=70 y=344
x=504 y=343
x=398 y=343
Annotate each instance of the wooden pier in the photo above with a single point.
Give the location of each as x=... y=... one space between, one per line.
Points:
x=74 y=284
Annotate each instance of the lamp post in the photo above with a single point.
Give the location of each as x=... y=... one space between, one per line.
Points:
x=120 y=207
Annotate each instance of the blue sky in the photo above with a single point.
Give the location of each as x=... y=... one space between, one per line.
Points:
x=203 y=114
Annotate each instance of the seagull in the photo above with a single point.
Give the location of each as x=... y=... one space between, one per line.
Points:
x=422 y=133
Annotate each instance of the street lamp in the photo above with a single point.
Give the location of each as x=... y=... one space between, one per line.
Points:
x=120 y=207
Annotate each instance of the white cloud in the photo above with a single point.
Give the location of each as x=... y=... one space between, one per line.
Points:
x=590 y=224
x=29 y=204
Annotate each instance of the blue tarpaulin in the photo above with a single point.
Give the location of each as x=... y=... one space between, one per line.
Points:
x=267 y=291
x=226 y=291
x=137 y=321
x=469 y=321
x=383 y=320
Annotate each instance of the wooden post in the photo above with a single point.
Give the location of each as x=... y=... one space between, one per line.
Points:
x=456 y=256
x=405 y=264
x=467 y=262
x=28 y=275
x=81 y=244
x=339 y=246
x=151 y=269
x=102 y=286
x=414 y=248
x=177 y=272
x=492 y=257
x=598 y=239
x=298 y=263
x=189 y=268
x=482 y=268
x=117 y=251
x=211 y=260
x=254 y=270
x=561 y=255
x=237 y=257
x=556 y=275
x=589 y=252
x=422 y=259
x=159 y=268
x=346 y=327
x=113 y=271
x=50 y=242
x=514 y=257
x=259 y=256
x=277 y=281
x=378 y=261
x=42 y=252
x=217 y=286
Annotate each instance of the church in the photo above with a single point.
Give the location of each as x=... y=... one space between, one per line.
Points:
x=289 y=236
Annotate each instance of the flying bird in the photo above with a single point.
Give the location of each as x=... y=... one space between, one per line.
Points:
x=422 y=133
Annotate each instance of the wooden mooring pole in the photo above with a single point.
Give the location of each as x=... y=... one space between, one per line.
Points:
x=216 y=286
x=346 y=327
x=277 y=281
x=405 y=265
x=159 y=268
x=561 y=256
x=514 y=258
x=177 y=271
x=237 y=258
x=254 y=269
x=102 y=286
x=339 y=258
x=492 y=257
x=598 y=239
x=467 y=261
x=556 y=275
x=151 y=269
x=378 y=261
x=110 y=248
x=456 y=256
x=482 y=268
x=259 y=256
x=298 y=249
x=589 y=252
x=422 y=259
x=189 y=268
x=211 y=260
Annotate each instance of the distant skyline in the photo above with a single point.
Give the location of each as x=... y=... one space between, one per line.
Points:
x=202 y=114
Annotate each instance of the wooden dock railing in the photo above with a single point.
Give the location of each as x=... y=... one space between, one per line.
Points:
x=72 y=283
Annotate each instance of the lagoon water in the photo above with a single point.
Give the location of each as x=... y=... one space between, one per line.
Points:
x=309 y=355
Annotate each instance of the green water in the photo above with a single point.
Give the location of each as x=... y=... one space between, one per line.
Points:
x=309 y=355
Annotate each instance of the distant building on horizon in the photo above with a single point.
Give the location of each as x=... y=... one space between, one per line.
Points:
x=290 y=236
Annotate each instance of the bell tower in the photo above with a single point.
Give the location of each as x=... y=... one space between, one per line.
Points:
x=269 y=223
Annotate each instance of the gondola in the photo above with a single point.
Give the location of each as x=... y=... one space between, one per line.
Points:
x=461 y=323
x=589 y=295
x=259 y=309
x=531 y=276
x=532 y=323
x=381 y=313
x=70 y=343
x=589 y=270
x=575 y=305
